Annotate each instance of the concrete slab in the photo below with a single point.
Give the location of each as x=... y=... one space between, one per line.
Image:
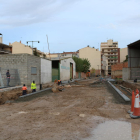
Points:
x=119 y=92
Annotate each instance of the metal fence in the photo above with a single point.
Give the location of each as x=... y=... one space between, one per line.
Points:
x=14 y=78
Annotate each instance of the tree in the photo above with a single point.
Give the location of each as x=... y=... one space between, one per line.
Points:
x=126 y=60
x=86 y=65
x=82 y=65
x=79 y=63
x=44 y=56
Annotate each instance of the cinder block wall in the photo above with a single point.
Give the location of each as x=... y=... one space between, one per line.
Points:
x=116 y=70
x=33 y=61
x=22 y=62
x=18 y=61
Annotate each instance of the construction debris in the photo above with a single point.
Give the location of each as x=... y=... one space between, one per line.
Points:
x=57 y=88
x=67 y=86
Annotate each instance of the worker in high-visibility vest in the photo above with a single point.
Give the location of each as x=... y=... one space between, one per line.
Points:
x=59 y=82
x=33 y=86
x=24 y=90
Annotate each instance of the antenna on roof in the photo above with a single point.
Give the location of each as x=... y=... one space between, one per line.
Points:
x=48 y=46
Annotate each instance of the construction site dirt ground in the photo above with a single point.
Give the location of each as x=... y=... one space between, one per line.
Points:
x=68 y=115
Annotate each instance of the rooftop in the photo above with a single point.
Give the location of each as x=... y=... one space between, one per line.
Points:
x=135 y=44
x=5 y=46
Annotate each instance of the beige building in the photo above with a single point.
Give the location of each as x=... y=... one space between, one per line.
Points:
x=93 y=55
x=18 y=47
x=123 y=53
x=112 y=52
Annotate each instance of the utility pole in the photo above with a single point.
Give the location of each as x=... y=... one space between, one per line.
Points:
x=32 y=44
x=48 y=46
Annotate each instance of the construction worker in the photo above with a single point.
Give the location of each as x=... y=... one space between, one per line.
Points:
x=8 y=77
x=89 y=74
x=24 y=90
x=59 y=82
x=33 y=86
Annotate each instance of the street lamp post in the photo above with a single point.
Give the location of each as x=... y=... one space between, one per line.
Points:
x=2 y=36
x=32 y=44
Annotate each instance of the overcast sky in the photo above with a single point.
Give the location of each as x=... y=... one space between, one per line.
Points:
x=70 y=24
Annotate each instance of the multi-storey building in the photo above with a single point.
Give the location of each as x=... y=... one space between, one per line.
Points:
x=112 y=52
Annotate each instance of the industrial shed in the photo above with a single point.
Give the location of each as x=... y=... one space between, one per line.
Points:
x=63 y=69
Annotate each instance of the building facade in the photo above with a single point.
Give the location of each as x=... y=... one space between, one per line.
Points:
x=5 y=49
x=133 y=70
x=112 y=52
x=63 y=69
x=30 y=68
x=94 y=56
x=63 y=55
x=18 y=48
x=123 y=54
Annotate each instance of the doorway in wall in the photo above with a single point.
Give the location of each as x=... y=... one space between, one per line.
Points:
x=71 y=70
x=55 y=70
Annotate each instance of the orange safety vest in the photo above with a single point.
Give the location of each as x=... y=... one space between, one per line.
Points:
x=24 y=88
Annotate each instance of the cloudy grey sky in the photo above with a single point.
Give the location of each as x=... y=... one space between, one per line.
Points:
x=70 y=24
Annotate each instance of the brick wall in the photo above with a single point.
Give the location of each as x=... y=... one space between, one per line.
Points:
x=83 y=75
x=116 y=70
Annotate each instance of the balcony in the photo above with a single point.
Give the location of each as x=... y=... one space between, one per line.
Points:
x=111 y=54
x=113 y=58
x=114 y=50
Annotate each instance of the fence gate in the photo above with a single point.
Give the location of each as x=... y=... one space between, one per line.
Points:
x=14 y=78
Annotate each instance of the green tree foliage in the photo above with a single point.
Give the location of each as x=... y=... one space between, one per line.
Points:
x=79 y=64
x=86 y=65
x=35 y=53
x=82 y=65
x=92 y=71
x=44 y=56
x=126 y=60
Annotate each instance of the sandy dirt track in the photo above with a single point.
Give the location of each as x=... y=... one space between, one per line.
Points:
x=67 y=115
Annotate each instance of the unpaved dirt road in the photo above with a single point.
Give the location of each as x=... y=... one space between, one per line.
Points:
x=67 y=115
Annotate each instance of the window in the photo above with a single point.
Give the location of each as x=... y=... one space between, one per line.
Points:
x=33 y=70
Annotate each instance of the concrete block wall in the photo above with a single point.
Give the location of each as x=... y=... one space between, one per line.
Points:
x=126 y=74
x=18 y=61
x=33 y=61
x=22 y=62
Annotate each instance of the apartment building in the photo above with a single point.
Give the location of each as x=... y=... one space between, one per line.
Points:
x=112 y=52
